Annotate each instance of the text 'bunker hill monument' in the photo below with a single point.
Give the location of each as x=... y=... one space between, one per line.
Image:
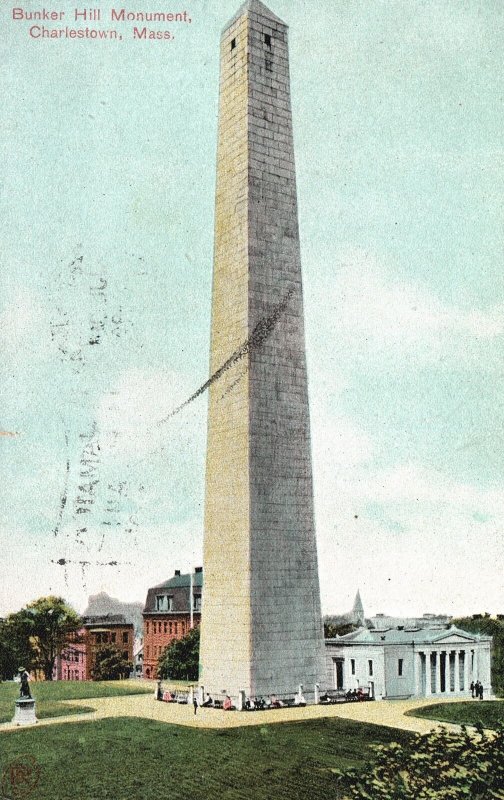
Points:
x=261 y=617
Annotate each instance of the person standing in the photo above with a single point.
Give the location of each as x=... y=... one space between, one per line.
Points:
x=471 y=687
x=481 y=691
x=195 y=704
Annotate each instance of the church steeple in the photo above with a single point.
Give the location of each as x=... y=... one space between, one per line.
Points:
x=358 y=609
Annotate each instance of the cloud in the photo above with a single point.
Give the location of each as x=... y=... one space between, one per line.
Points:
x=24 y=326
x=412 y=538
x=130 y=412
x=375 y=316
x=142 y=561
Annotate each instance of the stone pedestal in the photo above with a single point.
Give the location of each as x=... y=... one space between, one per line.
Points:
x=25 y=712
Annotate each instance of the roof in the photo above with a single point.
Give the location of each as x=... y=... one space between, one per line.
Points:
x=107 y=620
x=255 y=7
x=181 y=581
x=406 y=636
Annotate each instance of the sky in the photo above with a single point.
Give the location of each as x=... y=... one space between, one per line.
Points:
x=108 y=151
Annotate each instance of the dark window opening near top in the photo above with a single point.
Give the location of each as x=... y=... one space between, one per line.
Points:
x=233 y=44
x=267 y=39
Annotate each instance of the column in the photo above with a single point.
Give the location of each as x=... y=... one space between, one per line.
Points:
x=438 y=672
x=428 y=674
x=456 y=667
x=467 y=656
x=415 y=673
x=447 y=672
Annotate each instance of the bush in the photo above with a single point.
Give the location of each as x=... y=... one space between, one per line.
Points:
x=438 y=766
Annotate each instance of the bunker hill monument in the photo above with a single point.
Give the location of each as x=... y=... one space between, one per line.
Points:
x=261 y=619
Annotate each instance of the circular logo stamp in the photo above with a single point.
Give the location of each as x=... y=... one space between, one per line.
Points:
x=20 y=778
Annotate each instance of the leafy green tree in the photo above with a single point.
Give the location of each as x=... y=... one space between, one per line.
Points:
x=438 y=766
x=12 y=655
x=331 y=630
x=180 y=660
x=109 y=664
x=490 y=626
x=39 y=632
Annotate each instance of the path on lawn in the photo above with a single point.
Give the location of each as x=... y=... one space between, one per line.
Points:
x=390 y=713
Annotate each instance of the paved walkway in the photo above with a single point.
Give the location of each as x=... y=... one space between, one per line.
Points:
x=390 y=713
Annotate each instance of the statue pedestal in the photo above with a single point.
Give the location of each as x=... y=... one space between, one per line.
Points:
x=25 y=712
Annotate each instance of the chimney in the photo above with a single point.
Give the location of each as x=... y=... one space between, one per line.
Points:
x=199 y=569
x=177 y=572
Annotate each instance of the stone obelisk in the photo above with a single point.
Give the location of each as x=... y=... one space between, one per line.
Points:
x=261 y=626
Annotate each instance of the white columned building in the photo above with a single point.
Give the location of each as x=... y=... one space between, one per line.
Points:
x=409 y=662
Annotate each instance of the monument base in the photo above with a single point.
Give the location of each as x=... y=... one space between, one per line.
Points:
x=25 y=712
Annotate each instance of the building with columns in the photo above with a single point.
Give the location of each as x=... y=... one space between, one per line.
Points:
x=409 y=662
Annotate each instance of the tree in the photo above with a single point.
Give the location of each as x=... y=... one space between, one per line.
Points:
x=331 y=630
x=110 y=665
x=180 y=660
x=41 y=631
x=438 y=766
x=11 y=653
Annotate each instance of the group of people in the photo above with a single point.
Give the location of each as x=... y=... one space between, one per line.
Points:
x=476 y=690
x=350 y=696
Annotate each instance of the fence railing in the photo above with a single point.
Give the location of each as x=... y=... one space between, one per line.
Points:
x=187 y=694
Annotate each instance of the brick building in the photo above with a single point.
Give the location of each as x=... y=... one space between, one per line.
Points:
x=71 y=664
x=171 y=609
x=109 y=629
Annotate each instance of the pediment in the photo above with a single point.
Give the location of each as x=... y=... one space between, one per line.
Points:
x=455 y=638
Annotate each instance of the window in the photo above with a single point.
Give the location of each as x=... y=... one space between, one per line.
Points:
x=125 y=655
x=171 y=628
x=352 y=666
x=400 y=667
x=125 y=637
x=176 y=627
x=268 y=64
x=197 y=602
x=147 y=650
x=166 y=627
x=370 y=667
x=112 y=638
x=233 y=44
x=164 y=602
x=267 y=40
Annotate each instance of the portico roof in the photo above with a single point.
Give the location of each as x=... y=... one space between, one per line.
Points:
x=416 y=636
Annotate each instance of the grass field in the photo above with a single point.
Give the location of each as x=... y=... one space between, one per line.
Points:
x=50 y=696
x=489 y=713
x=129 y=758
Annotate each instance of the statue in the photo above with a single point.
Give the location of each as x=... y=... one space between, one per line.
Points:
x=25 y=686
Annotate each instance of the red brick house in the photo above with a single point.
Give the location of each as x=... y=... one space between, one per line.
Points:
x=171 y=609
x=108 y=629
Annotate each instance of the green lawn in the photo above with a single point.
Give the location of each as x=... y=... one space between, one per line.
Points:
x=489 y=713
x=121 y=759
x=50 y=695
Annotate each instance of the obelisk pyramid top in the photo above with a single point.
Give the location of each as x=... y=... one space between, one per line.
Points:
x=255 y=7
